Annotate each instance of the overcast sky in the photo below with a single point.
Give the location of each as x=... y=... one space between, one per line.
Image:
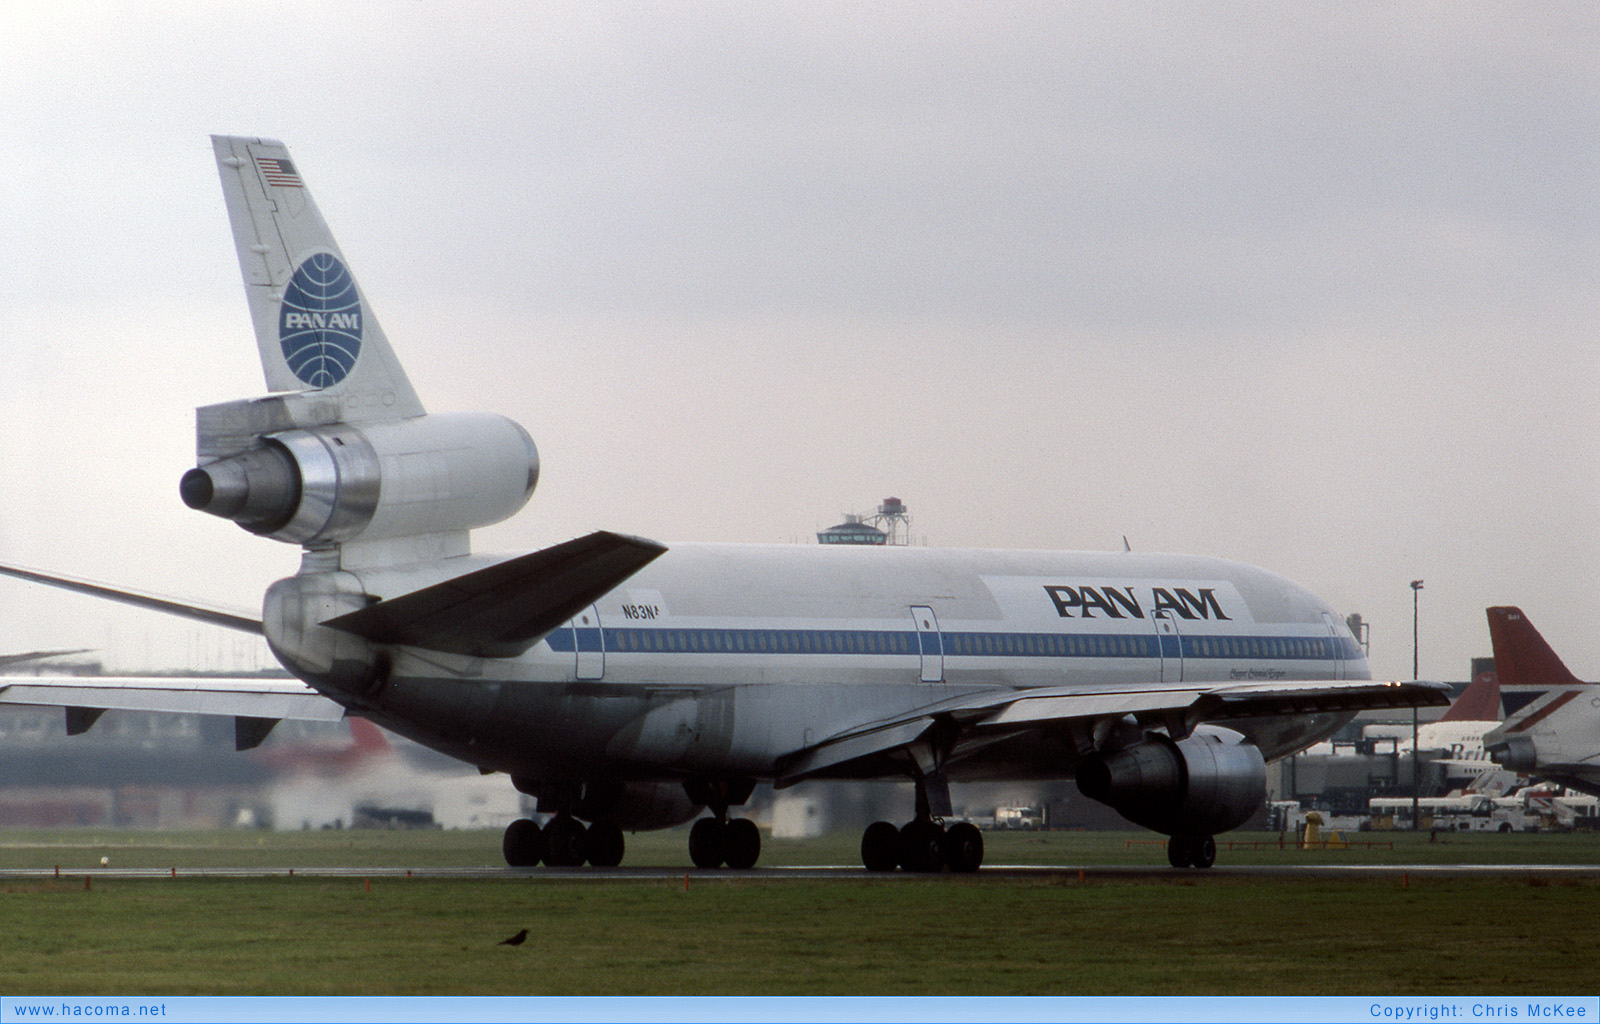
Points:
x=1312 y=286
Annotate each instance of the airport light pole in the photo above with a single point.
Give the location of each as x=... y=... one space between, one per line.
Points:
x=1416 y=785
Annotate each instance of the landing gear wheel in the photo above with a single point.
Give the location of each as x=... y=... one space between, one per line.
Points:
x=963 y=847
x=604 y=844
x=741 y=843
x=565 y=842
x=523 y=844
x=880 y=847
x=1191 y=851
x=706 y=843
x=922 y=846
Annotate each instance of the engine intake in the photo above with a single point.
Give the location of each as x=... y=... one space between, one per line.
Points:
x=1200 y=785
x=327 y=485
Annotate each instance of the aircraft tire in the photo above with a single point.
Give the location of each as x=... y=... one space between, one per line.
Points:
x=922 y=846
x=706 y=843
x=1178 y=854
x=604 y=844
x=1203 y=851
x=880 y=847
x=963 y=847
x=523 y=843
x=741 y=843
x=565 y=842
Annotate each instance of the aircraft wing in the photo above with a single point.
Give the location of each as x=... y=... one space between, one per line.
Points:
x=199 y=613
x=255 y=704
x=1221 y=702
x=984 y=718
x=8 y=660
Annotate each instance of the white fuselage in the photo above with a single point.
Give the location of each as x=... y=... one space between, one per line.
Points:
x=723 y=659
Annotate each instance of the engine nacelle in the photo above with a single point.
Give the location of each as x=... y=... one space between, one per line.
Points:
x=1518 y=754
x=329 y=659
x=317 y=486
x=1201 y=785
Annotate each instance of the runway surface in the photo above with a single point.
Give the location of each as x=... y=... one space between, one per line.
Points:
x=839 y=873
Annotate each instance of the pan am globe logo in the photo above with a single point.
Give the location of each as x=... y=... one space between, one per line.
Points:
x=319 y=326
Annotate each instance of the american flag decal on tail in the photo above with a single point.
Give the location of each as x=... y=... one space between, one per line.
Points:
x=278 y=172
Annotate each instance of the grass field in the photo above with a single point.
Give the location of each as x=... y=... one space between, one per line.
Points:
x=82 y=848
x=1187 y=933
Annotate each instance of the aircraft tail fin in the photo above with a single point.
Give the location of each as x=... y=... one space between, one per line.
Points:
x=1479 y=702
x=313 y=325
x=1522 y=658
x=366 y=738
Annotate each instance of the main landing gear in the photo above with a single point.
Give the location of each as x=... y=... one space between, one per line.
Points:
x=923 y=844
x=564 y=842
x=720 y=840
x=1191 y=851
x=735 y=842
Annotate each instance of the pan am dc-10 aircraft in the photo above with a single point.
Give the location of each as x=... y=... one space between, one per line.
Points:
x=630 y=685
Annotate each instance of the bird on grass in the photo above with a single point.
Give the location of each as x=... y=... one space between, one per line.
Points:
x=515 y=940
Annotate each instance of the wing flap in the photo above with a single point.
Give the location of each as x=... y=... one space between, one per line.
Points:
x=506 y=608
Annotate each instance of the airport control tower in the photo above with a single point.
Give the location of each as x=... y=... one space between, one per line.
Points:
x=891 y=524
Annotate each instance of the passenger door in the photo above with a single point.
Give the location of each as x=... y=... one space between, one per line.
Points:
x=589 y=643
x=929 y=643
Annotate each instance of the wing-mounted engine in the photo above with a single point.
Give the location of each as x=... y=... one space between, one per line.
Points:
x=1209 y=782
x=277 y=468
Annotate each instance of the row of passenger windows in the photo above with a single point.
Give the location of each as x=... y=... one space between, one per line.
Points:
x=1290 y=648
x=1050 y=645
x=837 y=641
x=762 y=641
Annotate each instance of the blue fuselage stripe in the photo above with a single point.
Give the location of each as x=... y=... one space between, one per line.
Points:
x=952 y=644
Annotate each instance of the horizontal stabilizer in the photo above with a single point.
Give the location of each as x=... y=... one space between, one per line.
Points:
x=501 y=611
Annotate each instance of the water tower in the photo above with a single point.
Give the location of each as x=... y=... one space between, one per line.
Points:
x=894 y=519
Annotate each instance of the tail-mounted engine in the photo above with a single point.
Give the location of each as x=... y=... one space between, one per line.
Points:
x=319 y=485
x=1196 y=786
